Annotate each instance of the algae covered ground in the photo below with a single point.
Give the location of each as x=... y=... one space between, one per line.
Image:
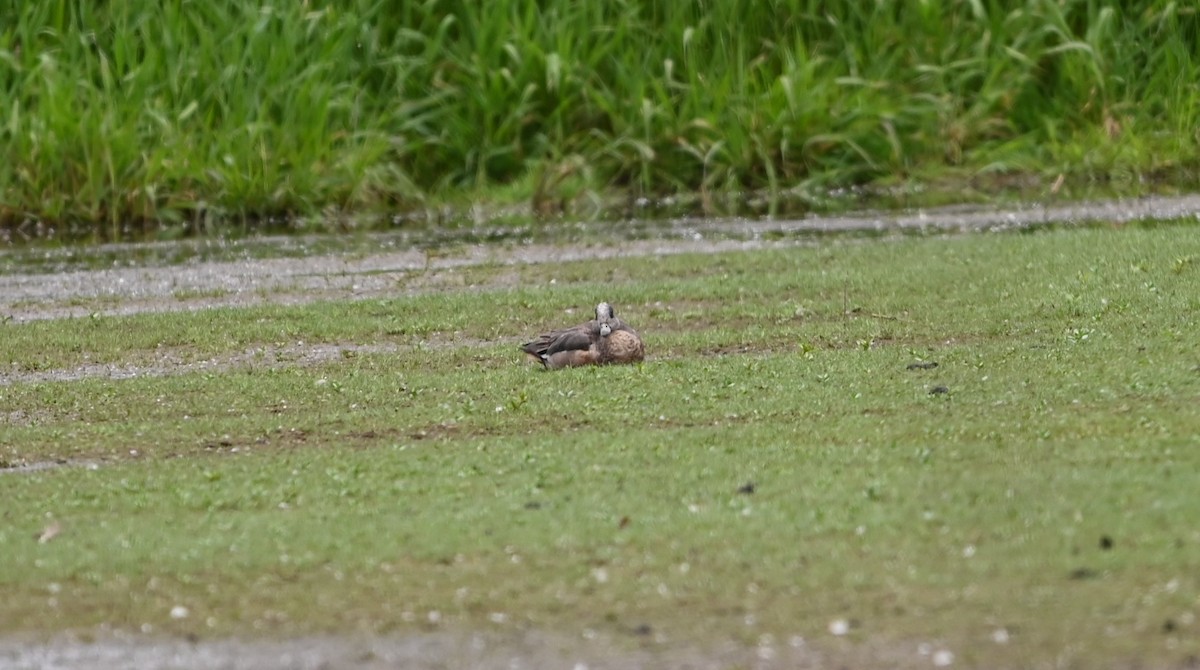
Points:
x=977 y=449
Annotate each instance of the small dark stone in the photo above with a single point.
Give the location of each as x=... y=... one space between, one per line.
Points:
x=746 y=488
x=1169 y=626
x=922 y=365
x=1106 y=542
x=533 y=504
x=939 y=390
x=1083 y=573
x=642 y=629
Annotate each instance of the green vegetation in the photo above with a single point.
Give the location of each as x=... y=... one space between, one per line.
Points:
x=1048 y=494
x=122 y=117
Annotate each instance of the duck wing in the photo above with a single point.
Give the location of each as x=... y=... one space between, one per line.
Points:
x=567 y=339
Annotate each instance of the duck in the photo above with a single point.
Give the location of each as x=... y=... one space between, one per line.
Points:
x=604 y=340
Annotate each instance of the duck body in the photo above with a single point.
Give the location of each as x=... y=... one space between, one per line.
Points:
x=601 y=341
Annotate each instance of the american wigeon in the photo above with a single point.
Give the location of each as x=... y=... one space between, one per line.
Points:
x=603 y=340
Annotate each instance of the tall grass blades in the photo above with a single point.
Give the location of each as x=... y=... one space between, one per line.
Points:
x=118 y=117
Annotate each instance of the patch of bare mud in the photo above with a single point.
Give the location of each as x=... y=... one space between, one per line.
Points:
x=973 y=218
x=438 y=650
x=358 y=275
x=170 y=362
x=288 y=281
x=42 y=466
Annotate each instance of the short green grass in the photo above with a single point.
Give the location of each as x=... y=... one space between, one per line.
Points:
x=1050 y=493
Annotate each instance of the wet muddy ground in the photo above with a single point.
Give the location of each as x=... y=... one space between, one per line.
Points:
x=458 y=650
x=407 y=263
x=399 y=268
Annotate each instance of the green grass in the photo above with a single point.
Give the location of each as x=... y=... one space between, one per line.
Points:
x=141 y=118
x=447 y=475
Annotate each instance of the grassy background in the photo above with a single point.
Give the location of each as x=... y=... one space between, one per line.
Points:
x=121 y=116
x=1049 y=494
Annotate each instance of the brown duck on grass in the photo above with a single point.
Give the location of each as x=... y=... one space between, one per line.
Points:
x=603 y=340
